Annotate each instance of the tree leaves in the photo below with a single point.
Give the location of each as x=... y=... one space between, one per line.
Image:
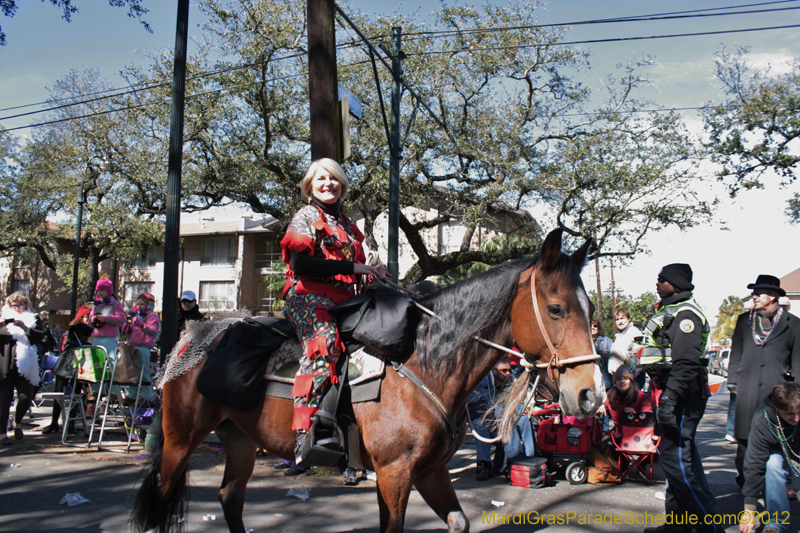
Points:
x=9 y=9
x=756 y=129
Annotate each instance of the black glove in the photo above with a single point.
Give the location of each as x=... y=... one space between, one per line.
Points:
x=666 y=413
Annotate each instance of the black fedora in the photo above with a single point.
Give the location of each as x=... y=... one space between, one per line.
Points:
x=767 y=282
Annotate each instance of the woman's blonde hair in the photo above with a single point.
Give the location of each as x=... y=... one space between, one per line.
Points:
x=18 y=297
x=335 y=170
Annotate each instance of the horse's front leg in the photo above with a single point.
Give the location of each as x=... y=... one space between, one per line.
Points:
x=437 y=490
x=240 y=457
x=394 y=487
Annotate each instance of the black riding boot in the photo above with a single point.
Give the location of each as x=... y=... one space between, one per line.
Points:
x=300 y=448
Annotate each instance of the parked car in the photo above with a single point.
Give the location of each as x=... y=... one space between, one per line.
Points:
x=719 y=363
x=710 y=355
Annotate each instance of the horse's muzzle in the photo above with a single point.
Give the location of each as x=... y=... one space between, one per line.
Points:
x=584 y=402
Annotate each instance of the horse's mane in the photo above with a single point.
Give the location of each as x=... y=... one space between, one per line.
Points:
x=476 y=305
x=466 y=309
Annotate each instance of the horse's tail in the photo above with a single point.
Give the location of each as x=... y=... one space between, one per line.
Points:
x=151 y=511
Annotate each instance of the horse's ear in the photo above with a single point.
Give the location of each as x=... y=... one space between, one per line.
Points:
x=579 y=255
x=551 y=248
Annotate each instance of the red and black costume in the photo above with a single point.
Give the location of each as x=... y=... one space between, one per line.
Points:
x=320 y=248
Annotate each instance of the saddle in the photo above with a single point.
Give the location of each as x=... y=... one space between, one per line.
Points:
x=260 y=356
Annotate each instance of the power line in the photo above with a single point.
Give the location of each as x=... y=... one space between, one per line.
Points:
x=681 y=14
x=596 y=41
x=154 y=103
x=142 y=87
x=634 y=18
x=147 y=85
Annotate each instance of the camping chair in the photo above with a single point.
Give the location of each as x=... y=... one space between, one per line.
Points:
x=638 y=446
x=46 y=377
x=70 y=399
x=89 y=366
x=131 y=421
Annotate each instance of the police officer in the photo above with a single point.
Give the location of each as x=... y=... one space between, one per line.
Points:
x=674 y=343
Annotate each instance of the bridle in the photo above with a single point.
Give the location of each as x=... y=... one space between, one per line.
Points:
x=554 y=362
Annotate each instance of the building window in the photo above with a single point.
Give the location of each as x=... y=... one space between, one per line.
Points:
x=133 y=290
x=217 y=295
x=21 y=285
x=270 y=257
x=146 y=259
x=219 y=252
x=450 y=235
x=25 y=258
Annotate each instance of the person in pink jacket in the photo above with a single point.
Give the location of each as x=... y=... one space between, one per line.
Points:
x=142 y=335
x=106 y=317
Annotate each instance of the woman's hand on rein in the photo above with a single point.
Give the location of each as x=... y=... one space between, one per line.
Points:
x=378 y=271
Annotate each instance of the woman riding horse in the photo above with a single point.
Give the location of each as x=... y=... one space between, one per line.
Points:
x=325 y=258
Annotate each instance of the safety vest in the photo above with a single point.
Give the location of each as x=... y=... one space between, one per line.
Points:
x=656 y=349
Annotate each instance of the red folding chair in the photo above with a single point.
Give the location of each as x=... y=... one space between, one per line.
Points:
x=638 y=446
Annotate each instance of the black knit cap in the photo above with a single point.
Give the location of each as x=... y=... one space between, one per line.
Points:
x=679 y=275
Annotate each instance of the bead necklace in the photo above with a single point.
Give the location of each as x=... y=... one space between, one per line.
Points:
x=792 y=459
x=760 y=338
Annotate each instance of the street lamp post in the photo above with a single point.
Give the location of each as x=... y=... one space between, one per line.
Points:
x=76 y=262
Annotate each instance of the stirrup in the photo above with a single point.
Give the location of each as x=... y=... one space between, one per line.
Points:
x=323 y=444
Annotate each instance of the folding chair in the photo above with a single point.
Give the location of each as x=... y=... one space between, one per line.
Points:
x=90 y=367
x=119 y=409
x=48 y=380
x=638 y=446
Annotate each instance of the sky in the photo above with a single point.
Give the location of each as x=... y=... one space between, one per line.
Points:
x=749 y=235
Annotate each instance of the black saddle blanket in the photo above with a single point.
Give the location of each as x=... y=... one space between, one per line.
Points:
x=233 y=375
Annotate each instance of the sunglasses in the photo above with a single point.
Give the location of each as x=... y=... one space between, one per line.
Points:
x=19 y=306
x=504 y=370
x=186 y=301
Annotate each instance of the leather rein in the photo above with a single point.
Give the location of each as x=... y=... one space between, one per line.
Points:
x=555 y=362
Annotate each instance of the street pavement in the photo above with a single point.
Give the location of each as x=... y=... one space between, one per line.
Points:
x=47 y=471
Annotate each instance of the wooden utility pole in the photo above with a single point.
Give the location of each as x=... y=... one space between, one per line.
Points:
x=613 y=295
x=599 y=289
x=323 y=91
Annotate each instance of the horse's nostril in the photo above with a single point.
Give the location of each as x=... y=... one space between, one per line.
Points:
x=586 y=400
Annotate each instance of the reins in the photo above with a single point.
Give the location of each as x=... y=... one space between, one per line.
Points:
x=554 y=362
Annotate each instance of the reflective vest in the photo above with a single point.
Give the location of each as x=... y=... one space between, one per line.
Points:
x=656 y=348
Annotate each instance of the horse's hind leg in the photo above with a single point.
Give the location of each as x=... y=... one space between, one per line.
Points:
x=437 y=490
x=240 y=457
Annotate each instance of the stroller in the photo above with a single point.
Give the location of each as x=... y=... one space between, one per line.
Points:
x=566 y=441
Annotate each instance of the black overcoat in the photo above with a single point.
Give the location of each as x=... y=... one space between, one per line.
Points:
x=755 y=370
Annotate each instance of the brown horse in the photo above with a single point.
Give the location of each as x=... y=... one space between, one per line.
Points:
x=406 y=438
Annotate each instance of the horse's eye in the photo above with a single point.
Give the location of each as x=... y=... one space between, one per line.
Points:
x=555 y=310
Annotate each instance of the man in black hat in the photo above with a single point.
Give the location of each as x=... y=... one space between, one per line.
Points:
x=672 y=355
x=764 y=351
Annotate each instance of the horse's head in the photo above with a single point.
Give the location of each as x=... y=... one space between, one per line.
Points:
x=557 y=332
